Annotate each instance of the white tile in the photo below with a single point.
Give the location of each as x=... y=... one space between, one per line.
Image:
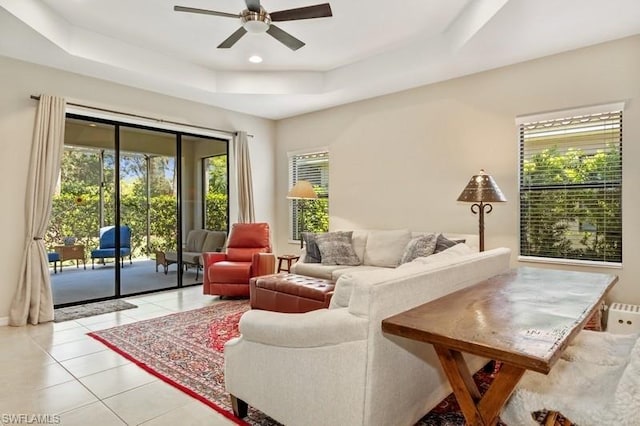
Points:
x=141 y=316
x=192 y=414
x=25 y=377
x=47 y=340
x=117 y=380
x=24 y=351
x=96 y=414
x=50 y=327
x=184 y=305
x=32 y=381
x=75 y=349
x=7 y=331
x=112 y=323
x=94 y=363
x=148 y=308
x=146 y=402
x=110 y=316
x=51 y=400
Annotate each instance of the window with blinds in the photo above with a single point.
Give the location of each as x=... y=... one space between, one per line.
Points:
x=571 y=188
x=312 y=167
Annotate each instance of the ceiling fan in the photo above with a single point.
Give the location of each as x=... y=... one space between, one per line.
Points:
x=256 y=19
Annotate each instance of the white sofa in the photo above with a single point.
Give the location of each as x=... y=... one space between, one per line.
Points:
x=335 y=366
x=376 y=249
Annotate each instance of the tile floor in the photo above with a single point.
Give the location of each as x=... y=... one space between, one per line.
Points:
x=56 y=369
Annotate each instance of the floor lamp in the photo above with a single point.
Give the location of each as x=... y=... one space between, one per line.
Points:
x=480 y=191
x=302 y=191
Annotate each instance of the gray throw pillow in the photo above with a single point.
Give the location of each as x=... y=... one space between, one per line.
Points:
x=312 y=253
x=421 y=246
x=443 y=243
x=336 y=249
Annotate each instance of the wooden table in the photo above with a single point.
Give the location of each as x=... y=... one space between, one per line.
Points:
x=524 y=318
x=71 y=252
x=289 y=258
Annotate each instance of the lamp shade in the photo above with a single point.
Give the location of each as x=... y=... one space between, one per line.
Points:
x=302 y=190
x=482 y=188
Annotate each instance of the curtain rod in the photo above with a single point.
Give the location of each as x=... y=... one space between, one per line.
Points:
x=37 y=98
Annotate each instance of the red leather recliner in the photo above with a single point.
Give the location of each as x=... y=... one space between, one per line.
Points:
x=248 y=255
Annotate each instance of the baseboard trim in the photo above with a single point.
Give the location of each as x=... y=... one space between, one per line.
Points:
x=4 y=321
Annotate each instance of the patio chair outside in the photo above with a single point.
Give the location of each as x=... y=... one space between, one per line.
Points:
x=107 y=248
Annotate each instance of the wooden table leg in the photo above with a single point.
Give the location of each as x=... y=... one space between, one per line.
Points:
x=478 y=410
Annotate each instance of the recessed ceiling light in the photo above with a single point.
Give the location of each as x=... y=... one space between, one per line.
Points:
x=255 y=59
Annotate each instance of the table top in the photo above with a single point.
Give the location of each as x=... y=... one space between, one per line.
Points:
x=289 y=256
x=525 y=317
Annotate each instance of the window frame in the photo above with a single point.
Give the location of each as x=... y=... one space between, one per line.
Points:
x=292 y=207
x=557 y=115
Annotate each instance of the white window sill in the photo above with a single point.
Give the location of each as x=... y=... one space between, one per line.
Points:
x=572 y=262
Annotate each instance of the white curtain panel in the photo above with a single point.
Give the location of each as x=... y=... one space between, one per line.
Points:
x=33 y=302
x=246 y=213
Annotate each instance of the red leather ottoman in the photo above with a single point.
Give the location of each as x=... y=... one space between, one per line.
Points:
x=290 y=293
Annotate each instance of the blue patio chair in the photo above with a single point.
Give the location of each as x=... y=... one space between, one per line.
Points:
x=107 y=248
x=55 y=258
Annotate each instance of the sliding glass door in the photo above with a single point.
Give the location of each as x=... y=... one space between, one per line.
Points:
x=125 y=205
x=148 y=208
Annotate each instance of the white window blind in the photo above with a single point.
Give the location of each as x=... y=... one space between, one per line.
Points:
x=571 y=188
x=312 y=167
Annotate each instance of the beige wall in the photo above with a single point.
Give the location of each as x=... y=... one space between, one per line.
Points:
x=402 y=160
x=18 y=80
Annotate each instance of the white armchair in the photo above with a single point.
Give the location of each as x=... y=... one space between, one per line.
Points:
x=335 y=366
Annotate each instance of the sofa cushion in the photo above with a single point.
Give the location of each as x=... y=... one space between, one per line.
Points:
x=195 y=240
x=187 y=257
x=316 y=269
x=348 y=277
x=359 y=242
x=244 y=254
x=336 y=249
x=421 y=246
x=312 y=253
x=443 y=243
x=385 y=248
x=229 y=272
x=350 y=269
x=342 y=291
x=448 y=255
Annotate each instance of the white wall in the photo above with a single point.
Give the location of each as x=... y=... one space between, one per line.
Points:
x=19 y=80
x=402 y=160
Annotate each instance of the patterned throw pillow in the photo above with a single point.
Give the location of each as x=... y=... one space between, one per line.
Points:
x=312 y=254
x=421 y=246
x=443 y=243
x=336 y=249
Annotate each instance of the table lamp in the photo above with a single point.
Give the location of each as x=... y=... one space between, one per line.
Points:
x=302 y=190
x=480 y=191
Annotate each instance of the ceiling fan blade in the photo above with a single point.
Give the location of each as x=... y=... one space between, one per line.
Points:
x=233 y=38
x=205 y=12
x=285 y=38
x=253 y=5
x=308 y=12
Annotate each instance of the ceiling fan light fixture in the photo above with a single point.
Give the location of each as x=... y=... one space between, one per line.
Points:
x=256 y=22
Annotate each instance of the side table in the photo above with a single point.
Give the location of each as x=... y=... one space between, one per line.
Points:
x=289 y=258
x=72 y=252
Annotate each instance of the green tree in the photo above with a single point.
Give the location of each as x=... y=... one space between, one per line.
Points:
x=75 y=209
x=217 y=174
x=568 y=211
x=216 y=199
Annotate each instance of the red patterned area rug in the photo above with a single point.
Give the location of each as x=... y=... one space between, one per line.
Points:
x=186 y=350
